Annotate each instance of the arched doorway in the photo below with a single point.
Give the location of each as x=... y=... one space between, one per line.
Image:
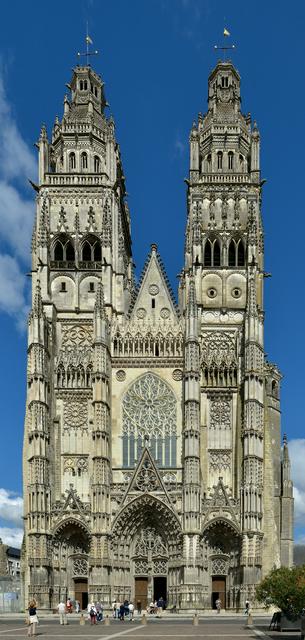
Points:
x=146 y=541
x=222 y=547
x=70 y=553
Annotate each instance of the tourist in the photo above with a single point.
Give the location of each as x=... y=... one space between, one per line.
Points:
x=160 y=604
x=61 y=608
x=92 y=612
x=69 y=606
x=218 y=605
x=122 y=612
x=114 y=608
x=99 y=612
x=131 y=611
x=77 y=606
x=247 y=607
x=33 y=620
x=139 y=607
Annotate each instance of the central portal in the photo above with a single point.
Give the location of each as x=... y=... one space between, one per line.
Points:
x=81 y=592
x=219 y=591
x=160 y=588
x=141 y=585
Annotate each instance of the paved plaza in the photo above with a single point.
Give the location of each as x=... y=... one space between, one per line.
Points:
x=208 y=628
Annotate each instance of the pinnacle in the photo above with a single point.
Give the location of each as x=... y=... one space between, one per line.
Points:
x=191 y=309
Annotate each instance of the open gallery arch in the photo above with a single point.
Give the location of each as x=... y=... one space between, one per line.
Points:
x=70 y=550
x=146 y=542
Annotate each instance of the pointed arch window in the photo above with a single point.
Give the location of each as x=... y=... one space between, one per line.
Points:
x=63 y=252
x=149 y=415
x=236 y=253
x=219 y=160
x=230 y=160
x=91 y=250
x=84 y=161
x=209 y=162
x=97 y=164
x=212 y=253
x=72 y=161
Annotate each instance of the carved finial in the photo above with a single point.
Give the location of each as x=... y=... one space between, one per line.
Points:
x=191 y=309
x=37 y=303
x=285 y=439
x=154 y=248
x=99 y=306
x=43 y=133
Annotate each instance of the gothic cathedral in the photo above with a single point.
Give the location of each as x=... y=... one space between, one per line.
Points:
x=152 y=449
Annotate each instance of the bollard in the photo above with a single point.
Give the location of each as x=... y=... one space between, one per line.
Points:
x=250 y=619
x=195 y=620
x=143 y=620
x=82 y=619
x=107 y=621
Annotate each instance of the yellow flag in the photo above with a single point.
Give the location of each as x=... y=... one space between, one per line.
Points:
x=226 y=32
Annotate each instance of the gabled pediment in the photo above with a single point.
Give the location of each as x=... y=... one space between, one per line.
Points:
x=154 y=300
x=220 y=505
x=146 y=478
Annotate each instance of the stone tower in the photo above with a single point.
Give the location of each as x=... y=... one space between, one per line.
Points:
x=152 y=452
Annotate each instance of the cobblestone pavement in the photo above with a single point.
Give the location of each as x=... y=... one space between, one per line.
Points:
x=208 y=628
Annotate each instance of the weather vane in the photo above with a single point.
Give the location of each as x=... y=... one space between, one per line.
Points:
x=224 y=48
x=88 y=53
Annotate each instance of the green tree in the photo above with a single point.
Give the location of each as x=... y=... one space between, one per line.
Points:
x=284 y=588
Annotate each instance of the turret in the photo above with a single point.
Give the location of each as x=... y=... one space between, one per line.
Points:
x=286 y=507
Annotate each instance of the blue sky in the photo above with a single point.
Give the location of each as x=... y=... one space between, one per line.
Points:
x=155 y=59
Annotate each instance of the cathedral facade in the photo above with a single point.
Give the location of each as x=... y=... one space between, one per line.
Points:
x=152 y=449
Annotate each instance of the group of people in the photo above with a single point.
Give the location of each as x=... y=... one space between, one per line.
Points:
x=122 y=610
x=157 y=606
x=95 y=612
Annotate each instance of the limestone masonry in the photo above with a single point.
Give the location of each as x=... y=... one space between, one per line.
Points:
x=152 y=448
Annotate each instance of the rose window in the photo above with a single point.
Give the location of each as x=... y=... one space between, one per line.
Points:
x=149 y=418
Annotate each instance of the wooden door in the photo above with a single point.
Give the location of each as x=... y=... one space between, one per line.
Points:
x=81 y=592
x=219 y=591
x=141 y=585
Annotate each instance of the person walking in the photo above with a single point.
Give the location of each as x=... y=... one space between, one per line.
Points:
x=69 y=606
x=33 y=620
x=247 y=607
x=114 y=609
x=122 y=612
x=61 y=608
x=77 y=606
x=218 y=605
x=131 y=611
x=139 y=607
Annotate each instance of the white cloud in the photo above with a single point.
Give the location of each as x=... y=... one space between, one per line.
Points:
x=16 y=219
x=12 y=289
x=297 y=457
x=16 y=159
x=11 y=507
x=12 y=537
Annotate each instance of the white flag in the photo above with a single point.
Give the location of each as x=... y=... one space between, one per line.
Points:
x=226 y=32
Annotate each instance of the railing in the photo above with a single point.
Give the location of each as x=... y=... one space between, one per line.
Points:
x=224 y=177
x=60 y=179
x=62 y=264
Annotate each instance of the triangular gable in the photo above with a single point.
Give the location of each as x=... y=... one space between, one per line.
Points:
x=220 y=497
x=146 y=478
x=220 y=504
x=72 y=502
x=154 y=295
